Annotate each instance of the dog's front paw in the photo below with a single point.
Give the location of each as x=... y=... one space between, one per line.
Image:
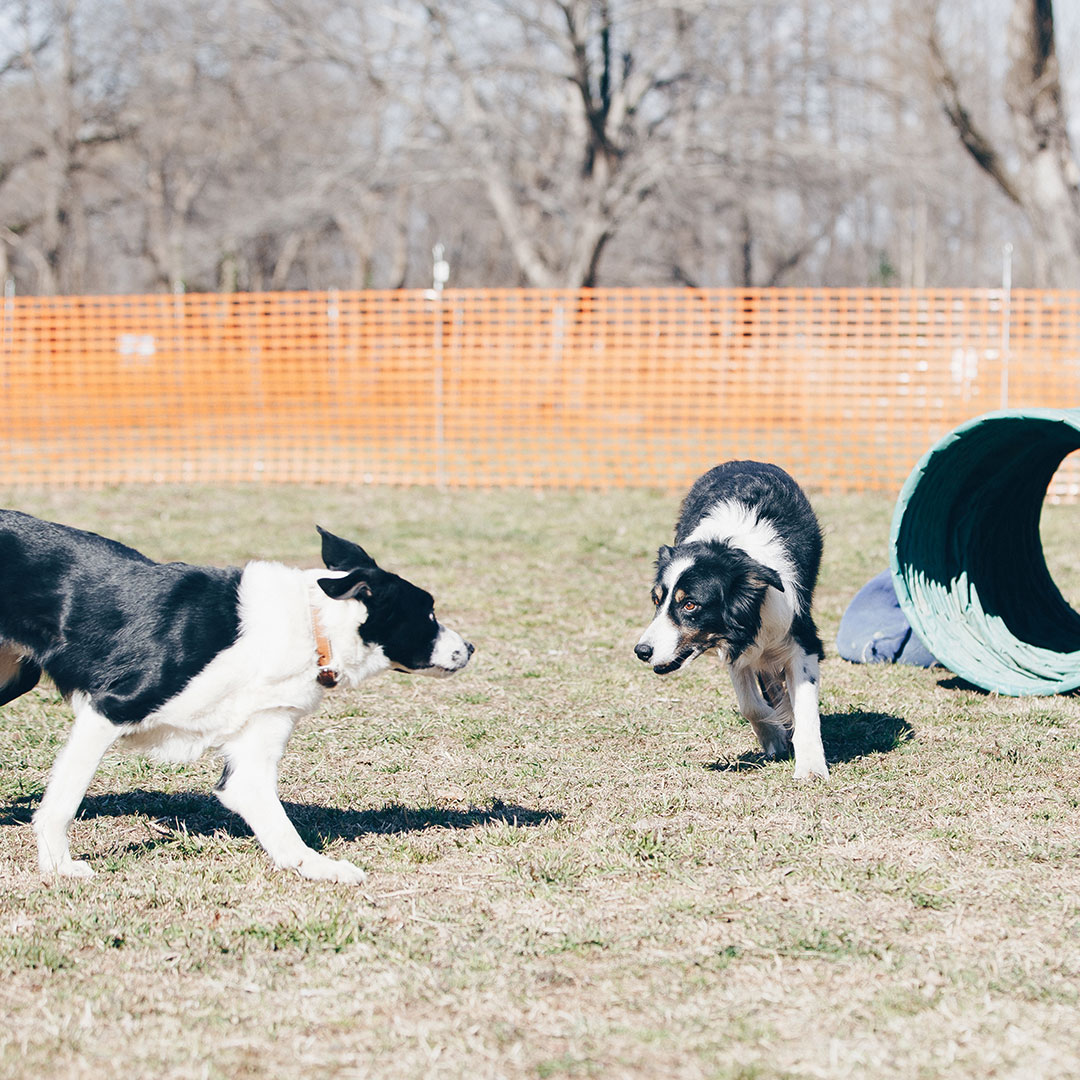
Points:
x=69 y=868
x=316 y=867
x=815 y=766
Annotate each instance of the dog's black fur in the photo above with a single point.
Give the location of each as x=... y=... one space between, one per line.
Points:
x=400 y=615
x=728 y=588
x=778 y=499
x=100 y=617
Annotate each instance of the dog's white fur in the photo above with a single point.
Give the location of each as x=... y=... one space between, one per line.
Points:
x=243 y=704
x=662 y=633
x=739 y=525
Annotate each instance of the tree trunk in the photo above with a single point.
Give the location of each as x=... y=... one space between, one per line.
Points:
x=1048 y=173
x=1045 y=182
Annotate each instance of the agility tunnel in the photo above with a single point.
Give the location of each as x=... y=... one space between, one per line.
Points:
x=967 y=557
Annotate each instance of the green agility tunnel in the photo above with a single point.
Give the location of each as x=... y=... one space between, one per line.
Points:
x=967 y=558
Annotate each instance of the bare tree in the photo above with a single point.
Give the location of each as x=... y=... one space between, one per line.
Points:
x=267 y=144
x=1038 y=170
x=570 y=113
x=74 y=119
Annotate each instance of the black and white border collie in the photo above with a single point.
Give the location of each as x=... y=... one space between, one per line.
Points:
x=739 y=582
x=173 y=659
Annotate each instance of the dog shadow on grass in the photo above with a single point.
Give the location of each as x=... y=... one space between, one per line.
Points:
x=845 y=736
x=196 y=814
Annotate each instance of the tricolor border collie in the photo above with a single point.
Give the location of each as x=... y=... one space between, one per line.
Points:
x=173 y=659
x=739 y=582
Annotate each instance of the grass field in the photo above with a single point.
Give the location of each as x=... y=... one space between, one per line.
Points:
x=575 y=868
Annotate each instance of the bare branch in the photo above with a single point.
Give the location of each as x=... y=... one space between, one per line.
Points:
x=977 y=144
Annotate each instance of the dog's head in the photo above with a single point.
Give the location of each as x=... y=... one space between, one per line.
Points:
x=400 y=617
x=707 y=596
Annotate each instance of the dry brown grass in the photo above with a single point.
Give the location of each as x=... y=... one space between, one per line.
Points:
x=575 y=868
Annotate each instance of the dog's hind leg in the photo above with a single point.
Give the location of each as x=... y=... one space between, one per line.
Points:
x=772 y=687
x=18 y=673
x=767 y=722
x=248 y=787
x=71 y=774
x=802 y=680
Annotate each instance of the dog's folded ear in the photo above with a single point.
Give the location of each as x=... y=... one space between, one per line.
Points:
x=338 y=554
x=663 y=556
x=768 y=576
x=354 y=586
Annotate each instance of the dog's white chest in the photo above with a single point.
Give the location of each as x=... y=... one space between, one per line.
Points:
x=206 y=714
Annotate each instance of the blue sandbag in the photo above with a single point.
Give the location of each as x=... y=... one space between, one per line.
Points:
x=875 y=630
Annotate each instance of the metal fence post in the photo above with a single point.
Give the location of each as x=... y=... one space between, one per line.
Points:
x=1006 y=318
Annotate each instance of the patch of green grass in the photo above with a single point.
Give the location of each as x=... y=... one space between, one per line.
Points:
x=336 y=933
x=567 y=1065
x=19 y=954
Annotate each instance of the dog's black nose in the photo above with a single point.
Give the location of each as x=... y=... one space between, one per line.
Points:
x=643 y=651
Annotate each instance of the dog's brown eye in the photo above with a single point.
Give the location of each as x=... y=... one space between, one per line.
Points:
x=655 y=600
x=689 y=606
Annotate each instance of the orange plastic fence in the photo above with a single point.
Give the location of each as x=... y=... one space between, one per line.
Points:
x=499 y=387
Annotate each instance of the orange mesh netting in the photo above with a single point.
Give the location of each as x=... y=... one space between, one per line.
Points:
x=496 y=387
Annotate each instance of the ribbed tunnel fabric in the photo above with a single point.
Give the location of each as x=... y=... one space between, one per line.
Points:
x=967 y=556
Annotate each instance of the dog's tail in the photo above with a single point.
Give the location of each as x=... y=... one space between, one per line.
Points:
x=18 y=673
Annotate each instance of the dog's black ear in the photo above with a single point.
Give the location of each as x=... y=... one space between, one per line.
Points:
x=663 y=556
x=768 y=576
x=338 y=554
x=354 y=586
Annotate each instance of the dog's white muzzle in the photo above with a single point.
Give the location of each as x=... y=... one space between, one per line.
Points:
x=450 y=653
